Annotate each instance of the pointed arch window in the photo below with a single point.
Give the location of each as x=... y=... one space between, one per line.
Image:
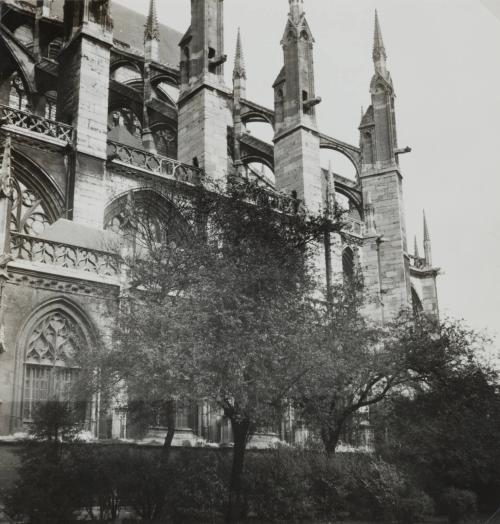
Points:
x=348 y=265
x=49 y=369
x=18 y=98
x=145 y=220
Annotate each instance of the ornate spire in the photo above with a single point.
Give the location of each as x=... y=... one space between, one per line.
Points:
x=152 y=31
x=296 y=10
x=379 y=54
x=239 y=59
x=6 y=183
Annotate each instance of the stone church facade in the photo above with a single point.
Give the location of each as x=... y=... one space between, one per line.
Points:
x=94 y=111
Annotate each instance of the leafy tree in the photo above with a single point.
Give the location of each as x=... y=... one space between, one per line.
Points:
x=358 y=365
x=219 y=308
x=447 y=432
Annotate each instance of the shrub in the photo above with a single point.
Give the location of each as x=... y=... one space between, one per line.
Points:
x=46 y=491
x=197 y=485
x=278 y=485
x=458 y=504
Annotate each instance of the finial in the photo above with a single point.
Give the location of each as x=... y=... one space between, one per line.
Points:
x=379 y=54
x=6 y=182
x=239 y=59
x=416 y=253
x=427 y=237
x=152 y=31
x=296 y=10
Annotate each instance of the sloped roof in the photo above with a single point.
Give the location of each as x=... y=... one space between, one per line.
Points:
x=129 y=29
x=74 y=234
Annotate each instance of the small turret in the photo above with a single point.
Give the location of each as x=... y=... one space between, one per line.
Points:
x=151 y=54
x=296 y=140
x=202 y=47
x=379 y=145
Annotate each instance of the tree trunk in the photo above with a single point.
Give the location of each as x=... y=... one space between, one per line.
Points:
x=241 y=432
x=159 y=503
x=169 y=437
x=330 y=437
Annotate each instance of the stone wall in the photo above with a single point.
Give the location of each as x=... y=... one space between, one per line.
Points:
x=385 y=190
x=297 y=166
x=24 y=293
x=204 y=118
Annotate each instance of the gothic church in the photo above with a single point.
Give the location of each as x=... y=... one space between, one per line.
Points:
x=94 y=110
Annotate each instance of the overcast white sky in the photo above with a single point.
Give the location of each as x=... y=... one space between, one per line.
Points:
x=445 y=62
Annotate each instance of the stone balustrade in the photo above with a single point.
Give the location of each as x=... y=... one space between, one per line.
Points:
x=37 y=250
x=156 y=164
x=36 y=124
x=260 y=195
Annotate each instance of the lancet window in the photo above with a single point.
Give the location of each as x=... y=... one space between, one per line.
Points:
x=348 y=264
x=18 y=98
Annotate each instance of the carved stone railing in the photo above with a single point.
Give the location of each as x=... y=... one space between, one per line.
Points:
x=36 y=124
x=35 y=249
x=157 y=164
x=265 y=197
x=355 y=227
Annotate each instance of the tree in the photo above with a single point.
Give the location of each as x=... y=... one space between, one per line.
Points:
x=219 y=309
x=446 y=434
x=358 y=365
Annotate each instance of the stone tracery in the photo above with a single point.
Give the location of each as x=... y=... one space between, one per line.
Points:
x=49 y=361
x=29 y=215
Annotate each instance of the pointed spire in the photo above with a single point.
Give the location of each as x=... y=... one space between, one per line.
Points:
x=239 y=59
x=427 y=244
x=379 y=54
x=296 y=10
x=426 y=229
x=152 y=31
x=416 y=253
x=6 y=182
